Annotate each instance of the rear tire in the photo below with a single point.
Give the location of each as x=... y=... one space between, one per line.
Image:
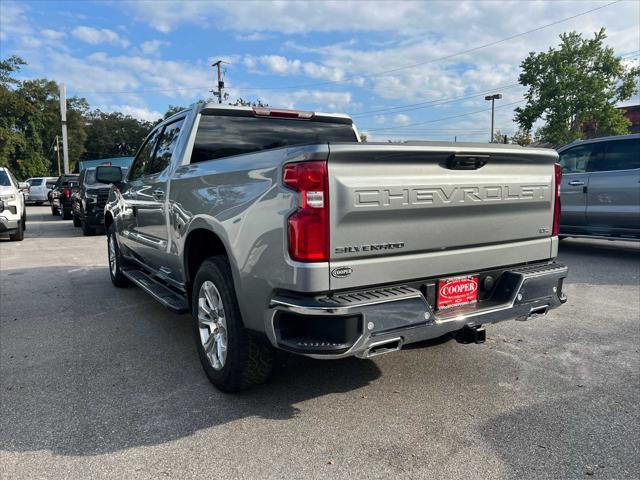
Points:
x=66 y=214
x=115 y=260
x=39 y=203
x=76 y=221
x=54 y=211
x=219 y=332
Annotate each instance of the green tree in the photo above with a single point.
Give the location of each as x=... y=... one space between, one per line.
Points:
x=172 y=110
x=41 y=123
x=241 y=102
x=522 y=137
x=499 y=137
x=8 y=67
x=113 y=134
x=578 y=83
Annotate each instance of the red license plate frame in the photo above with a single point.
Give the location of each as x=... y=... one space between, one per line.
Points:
x=457 y=291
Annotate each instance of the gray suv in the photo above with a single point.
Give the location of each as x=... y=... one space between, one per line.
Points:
x=600 y=188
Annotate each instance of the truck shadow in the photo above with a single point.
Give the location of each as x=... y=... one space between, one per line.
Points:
x=108 y=369
x=551 y=439
x=601 y=262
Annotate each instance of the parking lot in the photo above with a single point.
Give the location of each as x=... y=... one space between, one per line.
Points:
x=101 y=382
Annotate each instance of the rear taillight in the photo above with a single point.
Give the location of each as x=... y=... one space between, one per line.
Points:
x=309 y=225
x=557 y=206
x=67 y=193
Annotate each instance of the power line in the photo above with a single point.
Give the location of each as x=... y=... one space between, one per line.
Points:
x=435 y=103
x=439 y=119
x=383 y=72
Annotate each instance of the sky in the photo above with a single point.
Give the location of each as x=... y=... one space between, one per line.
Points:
x=402 y=69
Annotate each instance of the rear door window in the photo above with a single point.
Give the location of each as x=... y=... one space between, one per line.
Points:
x=222 y=136
x=166 y=146
x=619 y=155
x=144 y=156
x=577 y=159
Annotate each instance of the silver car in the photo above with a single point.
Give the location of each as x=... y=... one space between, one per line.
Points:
x=600 y=188
x=39 y=188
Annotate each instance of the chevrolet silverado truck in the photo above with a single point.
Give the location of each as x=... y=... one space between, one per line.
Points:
x=278 y=229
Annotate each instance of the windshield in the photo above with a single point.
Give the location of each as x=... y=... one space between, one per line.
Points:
x=90 y=176
x=4 y=179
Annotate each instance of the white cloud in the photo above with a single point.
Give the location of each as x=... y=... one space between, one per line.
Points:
x=13 y=20
x=316 y=100
x=153 y=46
x=279 y=65
x=254 y=37
x=401 y=119
x=96 y=36
x=52 y=34
x=141 y=113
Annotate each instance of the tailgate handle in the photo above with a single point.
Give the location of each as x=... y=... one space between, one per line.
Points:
x=466 y=161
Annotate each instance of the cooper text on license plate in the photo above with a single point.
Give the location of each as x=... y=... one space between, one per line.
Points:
x=457 y=291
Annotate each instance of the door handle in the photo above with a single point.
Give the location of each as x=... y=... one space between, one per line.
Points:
x=158 y=194
x=576 y=183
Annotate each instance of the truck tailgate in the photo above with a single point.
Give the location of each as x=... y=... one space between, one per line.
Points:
x=400 y=212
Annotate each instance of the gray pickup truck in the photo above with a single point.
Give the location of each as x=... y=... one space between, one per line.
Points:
x=278 y=229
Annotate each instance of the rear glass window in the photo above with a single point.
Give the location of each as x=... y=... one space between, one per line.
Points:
x=223 y=136
x=36 y=182
x=51 y=184
x=69 y=181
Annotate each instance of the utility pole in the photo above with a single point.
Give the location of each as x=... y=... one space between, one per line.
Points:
x=63 y=118
x=493 y=98
x=58 y=154
x=218 y=92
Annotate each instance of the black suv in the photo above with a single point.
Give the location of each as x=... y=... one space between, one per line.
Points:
x=88 y=202
x=62 y=193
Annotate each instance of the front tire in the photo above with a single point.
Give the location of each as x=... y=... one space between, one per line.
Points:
x=87 y=231
x=233 y=357
x=54 y=211
x=115 y=260
x=19 y=235
x=76 y=221
x=66 y=214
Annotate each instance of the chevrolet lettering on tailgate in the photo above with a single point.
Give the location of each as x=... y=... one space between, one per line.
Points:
x=439 y=196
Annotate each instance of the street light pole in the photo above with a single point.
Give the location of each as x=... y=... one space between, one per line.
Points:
x=493 y=98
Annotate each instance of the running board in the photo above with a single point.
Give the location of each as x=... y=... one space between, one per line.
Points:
x=163 y=294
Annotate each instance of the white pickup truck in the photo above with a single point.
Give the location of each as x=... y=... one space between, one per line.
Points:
x=278 y=229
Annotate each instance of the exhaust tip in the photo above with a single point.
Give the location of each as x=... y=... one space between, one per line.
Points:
x=386 y=346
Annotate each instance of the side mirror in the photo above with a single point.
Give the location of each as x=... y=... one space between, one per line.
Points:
x=23 y=186
x=108 y=174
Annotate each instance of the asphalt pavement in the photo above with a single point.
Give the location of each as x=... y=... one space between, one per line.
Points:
x=99 y=382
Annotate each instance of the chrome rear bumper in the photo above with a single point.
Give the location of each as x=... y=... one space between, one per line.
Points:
x=390 y=317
